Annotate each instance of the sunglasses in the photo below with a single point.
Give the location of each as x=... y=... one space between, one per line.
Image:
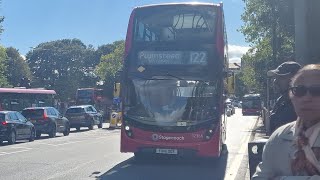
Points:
x=300 y=91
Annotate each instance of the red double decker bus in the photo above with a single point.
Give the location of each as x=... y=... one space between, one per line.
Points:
x=173 y=80
x=95 y=97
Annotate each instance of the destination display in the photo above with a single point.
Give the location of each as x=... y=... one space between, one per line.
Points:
x=172 y=58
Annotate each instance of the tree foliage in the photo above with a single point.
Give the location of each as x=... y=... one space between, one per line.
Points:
x=62 y=65
x=3 y=67
x=110 y=64
x=17 y=67
x=268 y=27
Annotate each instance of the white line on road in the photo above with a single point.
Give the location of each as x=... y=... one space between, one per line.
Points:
x=56 y=145
x=68 y=143
x=21 y=148
x=235 y=165
x=3 y=153
x=62 y=174
x=14 y=152
x=46 y=144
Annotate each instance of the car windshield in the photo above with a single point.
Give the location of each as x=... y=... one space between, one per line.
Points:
x=75 y=110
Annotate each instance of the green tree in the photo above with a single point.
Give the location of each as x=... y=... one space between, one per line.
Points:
x=61 y=65
x=3 y=67
x=109 y=65
x=17 y=67
x=269 y=28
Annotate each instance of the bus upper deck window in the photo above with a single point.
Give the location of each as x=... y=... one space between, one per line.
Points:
x=167 y=34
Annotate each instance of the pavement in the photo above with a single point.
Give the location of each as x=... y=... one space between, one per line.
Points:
x=258 y=134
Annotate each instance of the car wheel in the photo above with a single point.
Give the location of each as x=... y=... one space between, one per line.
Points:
x=32 y=135
x=66 y=132
x=12 y=137
x=100 y=125
x=53 y=131
x=91 y=126
x=38 y=134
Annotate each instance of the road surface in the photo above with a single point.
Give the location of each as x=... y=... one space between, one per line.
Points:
x=95 y=155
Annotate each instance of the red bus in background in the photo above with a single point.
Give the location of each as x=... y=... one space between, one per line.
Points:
x=95 y=97
x=90 y=96
x=16 y=99
x=172 y=86
x=251 y=104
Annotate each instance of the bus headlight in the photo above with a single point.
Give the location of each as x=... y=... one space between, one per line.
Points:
x=209 y=133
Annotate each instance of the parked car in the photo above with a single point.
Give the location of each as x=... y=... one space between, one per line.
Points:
x=47 y=120
x=84 y=116
x=15 y=126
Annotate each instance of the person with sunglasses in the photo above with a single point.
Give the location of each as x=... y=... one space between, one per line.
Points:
x=283 y=111
x=293 y=150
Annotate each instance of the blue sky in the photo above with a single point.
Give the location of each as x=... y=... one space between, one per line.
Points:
x=31 y=22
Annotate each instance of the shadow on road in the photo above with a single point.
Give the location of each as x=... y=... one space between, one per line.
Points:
x=162 y=167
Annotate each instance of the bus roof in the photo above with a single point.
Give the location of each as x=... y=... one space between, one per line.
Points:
x=182 y=3
x=26 y=91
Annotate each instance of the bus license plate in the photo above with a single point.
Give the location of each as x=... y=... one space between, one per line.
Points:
x=166 y=151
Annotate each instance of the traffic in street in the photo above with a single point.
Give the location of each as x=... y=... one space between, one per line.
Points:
x=96 y=154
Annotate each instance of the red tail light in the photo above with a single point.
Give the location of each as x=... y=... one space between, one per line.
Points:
x=45 y=116
x=4 y=123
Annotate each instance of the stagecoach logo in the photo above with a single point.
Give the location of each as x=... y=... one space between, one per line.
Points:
x=155 y=137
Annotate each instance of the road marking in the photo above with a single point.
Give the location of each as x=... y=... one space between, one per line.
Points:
x=15 y=152
x=46 y=144
x=64 y=173
x=236 y=163
x=21 y=148
x=3 y=153
x=67 y=143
